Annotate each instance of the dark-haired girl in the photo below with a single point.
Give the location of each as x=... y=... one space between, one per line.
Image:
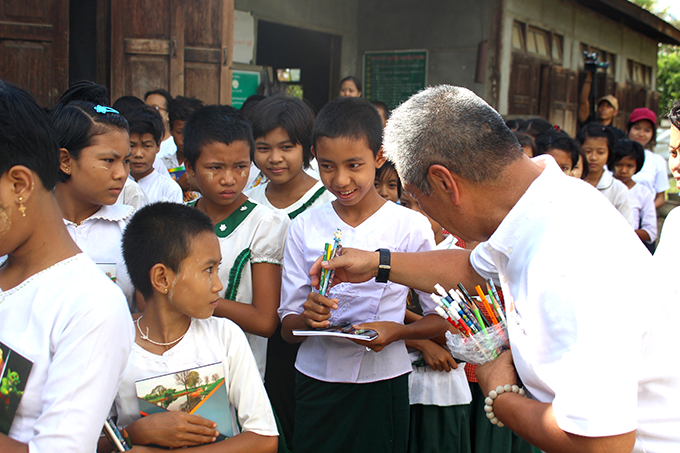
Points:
x=94 y=142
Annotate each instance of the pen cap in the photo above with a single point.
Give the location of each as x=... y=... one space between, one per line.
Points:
x=440 y=289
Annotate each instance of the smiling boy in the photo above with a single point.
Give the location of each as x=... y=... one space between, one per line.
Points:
x=337 y=378
x=146 y=132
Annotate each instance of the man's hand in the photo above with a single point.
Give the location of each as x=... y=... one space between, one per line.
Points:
x=318 y=310
x=354 y=266
x=497 y=372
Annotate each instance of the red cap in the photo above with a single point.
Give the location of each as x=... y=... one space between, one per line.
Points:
x=642 y=114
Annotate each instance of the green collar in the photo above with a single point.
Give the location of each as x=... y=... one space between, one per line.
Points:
x=228 y=225
x=308 y=203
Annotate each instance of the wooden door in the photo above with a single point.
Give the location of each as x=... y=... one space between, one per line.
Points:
x=34 y=47
x=563 y=99
x=184 y=47
x=525 y=76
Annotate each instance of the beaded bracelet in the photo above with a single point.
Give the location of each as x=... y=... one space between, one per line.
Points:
x=493 y=394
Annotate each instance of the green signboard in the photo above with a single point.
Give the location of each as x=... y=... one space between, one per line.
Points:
x=243 y=85
x=393 y=76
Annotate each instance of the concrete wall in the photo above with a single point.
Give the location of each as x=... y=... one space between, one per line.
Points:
x=449 y=30
x=328 y=16
x=577 y=25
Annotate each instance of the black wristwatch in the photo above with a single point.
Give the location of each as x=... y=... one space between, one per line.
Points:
x=384 y=267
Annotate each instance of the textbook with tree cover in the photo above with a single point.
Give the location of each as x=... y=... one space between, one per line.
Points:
x=199 y=391
x=14 y=371
x=339 y=330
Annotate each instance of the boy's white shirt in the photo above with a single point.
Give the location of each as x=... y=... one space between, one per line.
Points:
x=338 y=359
x=132 y=195
x=617 y=193
x=158 y=188
x=206 y=341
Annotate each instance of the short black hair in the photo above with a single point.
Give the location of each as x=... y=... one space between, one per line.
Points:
x=674 y=114
x=215 y=124
x=628 y=148
x=127 y=104
x=162 y=92
x=160 y=233
x=250 y=103
x=85 y=90
x=515 y=124
x=535 y=126
x=181 y=108
x=78 y=122
x=386 y=167
x=553 y=139
x=597 y=130
x=381 y=105
x=356 y=81
x=289 y=113
x=26 y=135
x=353 y=118
x=527 y=140
x=147 y=120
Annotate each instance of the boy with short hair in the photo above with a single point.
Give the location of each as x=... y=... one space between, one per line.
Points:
x=340 y=382
x=146 y=132
x=160 y=100
x=172 y=255
x=178 y=111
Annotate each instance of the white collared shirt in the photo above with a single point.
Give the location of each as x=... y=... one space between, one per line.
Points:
x=99 y=237
x=259 y=194
x=578 y=284
x=157 y=188
x=132 y=195
x=653 y=174
x=339 y=359
x=617 y=193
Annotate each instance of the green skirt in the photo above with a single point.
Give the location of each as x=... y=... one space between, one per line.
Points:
x=488 y=438
x=439 y=429
x=335 y=417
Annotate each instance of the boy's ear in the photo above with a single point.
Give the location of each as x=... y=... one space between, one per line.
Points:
x=380 y=158
x=161 y=276
x=443 y=181
x=189 y=168
x=65 y=161
x=313 y=151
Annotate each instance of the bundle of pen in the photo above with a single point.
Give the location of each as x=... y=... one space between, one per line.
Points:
x=483 y=335
x=330 y=251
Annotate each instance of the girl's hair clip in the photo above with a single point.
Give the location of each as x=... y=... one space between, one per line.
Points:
x=557 y=128
x=104 y=109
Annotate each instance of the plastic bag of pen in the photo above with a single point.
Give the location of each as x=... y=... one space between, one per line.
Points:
x=481 y=347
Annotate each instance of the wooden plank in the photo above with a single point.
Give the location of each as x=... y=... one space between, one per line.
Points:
x=118 y=15
x=202 y=55
x=147 y=46
x=26 y=32
x=60 y=21
x=176 y=82
x=227 y=51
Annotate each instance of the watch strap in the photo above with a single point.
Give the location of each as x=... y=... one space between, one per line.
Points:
x=384 y=266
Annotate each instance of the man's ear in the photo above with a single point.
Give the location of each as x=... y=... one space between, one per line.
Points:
x=443 y=181
x=380 y=158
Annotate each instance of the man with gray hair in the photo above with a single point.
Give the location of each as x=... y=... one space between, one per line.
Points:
x=596 y=369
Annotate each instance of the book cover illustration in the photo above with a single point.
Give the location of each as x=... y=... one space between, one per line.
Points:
x=199 y=391
x=339 y=330
x=14 y=371
x=177 y=172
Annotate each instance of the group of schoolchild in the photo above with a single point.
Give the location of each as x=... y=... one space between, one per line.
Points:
x=107 y=278
x=620 y=164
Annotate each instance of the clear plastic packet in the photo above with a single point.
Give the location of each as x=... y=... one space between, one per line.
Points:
x=481 y=347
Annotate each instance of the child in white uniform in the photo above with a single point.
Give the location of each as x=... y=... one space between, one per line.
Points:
x=56 y=308
x=338 y=379
x=146 y=131
x=172 y=255
x=218 y=146
x=282 y=128
x=93 y=167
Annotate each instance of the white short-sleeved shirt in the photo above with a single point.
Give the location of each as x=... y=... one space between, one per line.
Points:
x=160 y=167
x=170 y=161
x=641 y=201
x=316 y=196
x=132 y=195
x=252 y=234
x=207 y=341
x=438 y=388
x=72 y=322
x=339 y=359
x=653 y=174
x=168 y=146
x=158 y=188
x=100 y=237
x=617 y=193
x=575 y=279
